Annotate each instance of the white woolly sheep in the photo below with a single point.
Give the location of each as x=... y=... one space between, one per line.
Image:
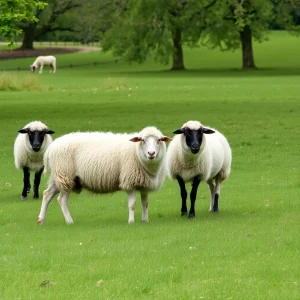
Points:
x=44 y=60
x=29 y=148
x=104 y=162
x=198 y=153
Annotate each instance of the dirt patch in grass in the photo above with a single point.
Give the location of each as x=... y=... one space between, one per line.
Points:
x=19 y=53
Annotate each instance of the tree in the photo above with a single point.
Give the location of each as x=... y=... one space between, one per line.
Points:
x=14 y=11
x=93 y=18
x=158 y=28
x=246 y=20
x=49 y=21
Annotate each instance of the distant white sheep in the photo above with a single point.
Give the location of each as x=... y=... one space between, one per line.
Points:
x=198 y=153
x=104 y=162
x=29 y=148
x=44 y=60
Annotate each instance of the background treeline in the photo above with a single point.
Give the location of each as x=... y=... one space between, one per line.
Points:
x=135 y=29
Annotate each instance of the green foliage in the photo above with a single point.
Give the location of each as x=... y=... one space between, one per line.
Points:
x=14 y=11
x=148 y=27
x=234 y=15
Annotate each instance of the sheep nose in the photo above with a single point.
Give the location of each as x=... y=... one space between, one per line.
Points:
x=36 y=147
x=151 y=153
x=195 y=148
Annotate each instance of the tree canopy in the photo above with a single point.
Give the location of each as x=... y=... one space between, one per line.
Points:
x=161 y=28
x=12 y=12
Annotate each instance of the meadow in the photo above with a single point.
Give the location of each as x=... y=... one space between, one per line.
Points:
x=249 y=250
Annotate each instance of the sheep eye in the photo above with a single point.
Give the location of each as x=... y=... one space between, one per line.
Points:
x=158 y=141
x=143 y=141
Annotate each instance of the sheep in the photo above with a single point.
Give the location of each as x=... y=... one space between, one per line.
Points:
x=105 y=162
x=198 y=153
x=29 y=148
x=44 y=60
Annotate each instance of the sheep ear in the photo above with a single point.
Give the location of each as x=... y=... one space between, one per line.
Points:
x=165 y=139
x=49 y=131
x=208 y=130
x=24 y=130
x=179 y=131
x=135 y=139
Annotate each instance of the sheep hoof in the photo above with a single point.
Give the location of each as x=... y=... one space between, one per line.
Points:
x=214 y=210
x=130 y=221
x=23 y=197
x=183 y=213
x=35 y=197
x=191 y=215
x=40 y=220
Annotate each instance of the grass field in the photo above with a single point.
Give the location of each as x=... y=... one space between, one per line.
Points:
x=249 y=250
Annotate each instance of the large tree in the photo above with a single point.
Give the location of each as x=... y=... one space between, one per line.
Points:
x=49 y=21
x=14 y=11
x=95 y=17
x=158 y=28
x=246 y=20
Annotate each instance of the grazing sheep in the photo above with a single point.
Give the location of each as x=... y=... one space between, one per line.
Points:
x=104 y=162
x=29 y=148
x=198 y=153
x=44 y=60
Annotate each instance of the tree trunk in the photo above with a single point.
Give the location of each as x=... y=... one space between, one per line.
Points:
x=247 y=49
x=28 y=37
x=177 y=51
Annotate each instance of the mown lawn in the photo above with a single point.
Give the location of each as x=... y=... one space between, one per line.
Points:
x=249 y=250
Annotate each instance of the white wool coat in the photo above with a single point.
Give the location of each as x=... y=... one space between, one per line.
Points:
x=44 y=60
x=23 y=153
x=213 y=159
x=104 y=162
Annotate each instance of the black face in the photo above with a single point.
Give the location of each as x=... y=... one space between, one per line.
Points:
x=33 y=68
x=193 y=138
x=36 y=138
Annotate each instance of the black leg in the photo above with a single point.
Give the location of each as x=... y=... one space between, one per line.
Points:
x=195 y=184
x=37 y=180
x=183 y=195
x=26 y=181
x=216 y=203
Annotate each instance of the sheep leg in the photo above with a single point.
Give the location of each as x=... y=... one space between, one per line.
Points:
x=47 y=197
x=26 y=181
x=215 y=207
x=63 y=202
x=37 y=180
x=183 y=195
x=212 y=194
x=193 y=195
x=41 y=68
x=51 y=68
x=131 y=206
x=144 y=200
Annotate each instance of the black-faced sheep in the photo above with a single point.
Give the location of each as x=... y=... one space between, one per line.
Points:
x=29 y=148
x=198 y=153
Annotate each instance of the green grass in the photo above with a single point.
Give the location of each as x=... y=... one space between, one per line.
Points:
x=249 y=250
